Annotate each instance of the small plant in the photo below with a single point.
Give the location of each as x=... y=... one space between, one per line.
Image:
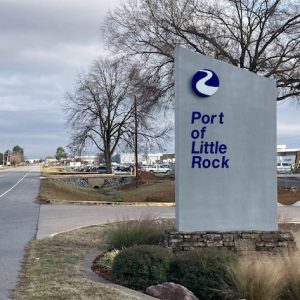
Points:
x=203 y=271
x=255 y=279
x=141 y=266
x=137 y=232
x=108 y=258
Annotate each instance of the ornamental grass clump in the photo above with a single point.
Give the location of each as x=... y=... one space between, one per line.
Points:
x=291 y=278
x=141 y=266
x=146 y=231
x=258 y=278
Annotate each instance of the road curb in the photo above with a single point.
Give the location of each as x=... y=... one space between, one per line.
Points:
x=167 y=204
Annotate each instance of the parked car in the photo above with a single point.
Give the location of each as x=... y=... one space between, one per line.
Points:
x=123 y=169
x=91 y=169
x=158 y=169
x=284 y=167
x=101 y=170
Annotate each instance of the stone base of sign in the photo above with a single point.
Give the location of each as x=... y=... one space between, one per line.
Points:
x=245 y=242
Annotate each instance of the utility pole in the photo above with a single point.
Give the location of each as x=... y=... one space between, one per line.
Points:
x=136 y=142
x=3 y=162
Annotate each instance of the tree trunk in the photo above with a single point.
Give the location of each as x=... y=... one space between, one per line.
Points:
x=108 y=164
x=107 y=156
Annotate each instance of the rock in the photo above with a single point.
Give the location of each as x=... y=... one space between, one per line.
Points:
x=170 y=291
x=76 y=181
x=116 y=182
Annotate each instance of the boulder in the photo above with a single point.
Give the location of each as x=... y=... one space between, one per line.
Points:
x=170 y=291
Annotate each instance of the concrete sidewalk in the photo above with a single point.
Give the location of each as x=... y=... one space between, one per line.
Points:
x=58 y=218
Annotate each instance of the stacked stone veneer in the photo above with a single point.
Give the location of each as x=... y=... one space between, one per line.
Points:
x=240 y=242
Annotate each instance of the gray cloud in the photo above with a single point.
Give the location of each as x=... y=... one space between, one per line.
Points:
x=43 y=46
x=43 y=135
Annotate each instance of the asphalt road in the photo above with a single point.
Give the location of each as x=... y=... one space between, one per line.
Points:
x=18 y=221
x=289 y=180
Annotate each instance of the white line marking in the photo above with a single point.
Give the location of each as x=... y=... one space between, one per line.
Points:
x=15 y=185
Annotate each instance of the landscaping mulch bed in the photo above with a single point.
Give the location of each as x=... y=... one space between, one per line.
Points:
x=288 y=196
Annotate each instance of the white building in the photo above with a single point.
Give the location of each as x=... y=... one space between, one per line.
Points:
x=129 y=158
x=288 y=155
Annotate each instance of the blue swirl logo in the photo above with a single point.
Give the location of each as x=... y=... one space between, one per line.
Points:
x=205 y=83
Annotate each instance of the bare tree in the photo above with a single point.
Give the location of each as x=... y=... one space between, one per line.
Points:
x=101 y=108
x=262 y=36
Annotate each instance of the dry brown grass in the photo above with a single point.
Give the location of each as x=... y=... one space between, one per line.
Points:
x=51 y=268
x=54 y=191
x=150 y=191
x=3 y=168
x=53 y=170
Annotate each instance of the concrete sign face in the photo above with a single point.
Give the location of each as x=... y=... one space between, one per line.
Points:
x=225 y=146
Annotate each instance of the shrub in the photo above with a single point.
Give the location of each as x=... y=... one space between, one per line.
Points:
x=255 y=279
x=141 y=266
x=129 y=233
x=202 y=271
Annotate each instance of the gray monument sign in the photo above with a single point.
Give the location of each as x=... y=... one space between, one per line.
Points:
x=225 y=146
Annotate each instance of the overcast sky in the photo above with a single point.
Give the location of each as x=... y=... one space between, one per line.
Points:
x=44 y=45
